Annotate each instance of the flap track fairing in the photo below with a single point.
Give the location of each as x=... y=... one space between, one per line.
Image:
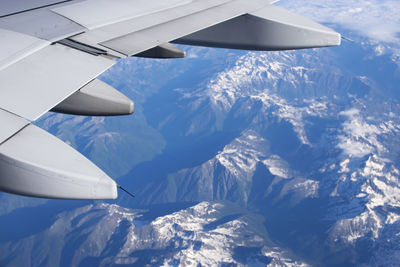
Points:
x=96 y=99
x=268 y=29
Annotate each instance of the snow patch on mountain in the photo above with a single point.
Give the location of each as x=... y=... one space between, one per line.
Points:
x=392 y=218
x=279 y=107
x=255 y=73
x=264 y=77
x=352 y=229
x=280 y=260
x=196 y=235
x=299 y=189
x=367 y=193
x=241 y=156
x=277 y=166
x=241 y=80
x=360 y=138
x=212 y=245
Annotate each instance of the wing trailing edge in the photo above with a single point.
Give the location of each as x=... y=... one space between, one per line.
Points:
x=96 y=99
x=49 y=76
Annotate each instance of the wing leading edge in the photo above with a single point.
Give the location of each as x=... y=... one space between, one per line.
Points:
x=53 y=51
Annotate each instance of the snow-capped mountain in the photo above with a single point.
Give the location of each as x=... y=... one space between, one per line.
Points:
x=237 y=158
x=208 y=234
x=308 y=136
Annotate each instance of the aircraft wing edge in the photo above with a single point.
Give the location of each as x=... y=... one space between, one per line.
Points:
x=55 y=72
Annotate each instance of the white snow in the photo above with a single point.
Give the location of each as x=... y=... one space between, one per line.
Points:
x=359 y=138
x=392 y=218
x=277 y=166
x=242 y=155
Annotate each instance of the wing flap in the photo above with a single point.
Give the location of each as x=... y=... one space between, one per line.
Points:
x=136 y=24
x=35 y=163
x=37 y=83
x=41 y=23
x=16 y=46
x=96 y=99
x=9 y=7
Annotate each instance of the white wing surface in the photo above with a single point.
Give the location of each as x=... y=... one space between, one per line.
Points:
x=52 y=51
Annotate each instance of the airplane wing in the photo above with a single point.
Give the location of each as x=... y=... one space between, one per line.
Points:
x=52 y=51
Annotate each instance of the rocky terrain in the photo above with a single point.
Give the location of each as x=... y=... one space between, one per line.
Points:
x=236 y=158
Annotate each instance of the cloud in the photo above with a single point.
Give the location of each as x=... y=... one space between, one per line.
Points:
x=375 y=19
